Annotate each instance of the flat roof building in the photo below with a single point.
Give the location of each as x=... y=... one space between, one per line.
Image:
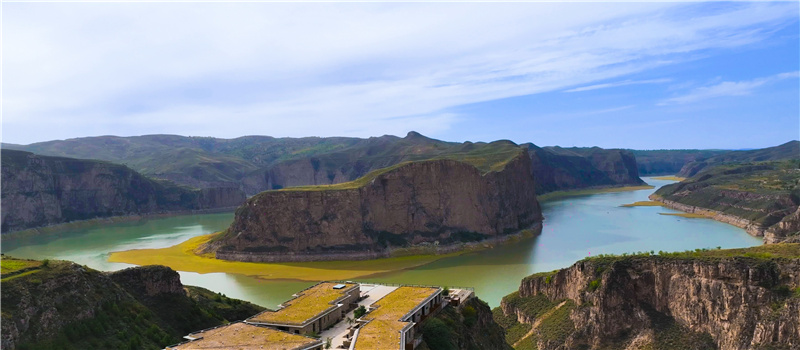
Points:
x=311 y=310
x=391 y=321
x=243 y=336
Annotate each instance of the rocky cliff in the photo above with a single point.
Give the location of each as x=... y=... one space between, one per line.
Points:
x=59 y=304
x=40 y=190
x=725 y=299
x=468 y=327
x=763 y=198
x=561 y=169
x=425 y=202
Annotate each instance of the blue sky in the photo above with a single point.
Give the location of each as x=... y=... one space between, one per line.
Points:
x=632 y=75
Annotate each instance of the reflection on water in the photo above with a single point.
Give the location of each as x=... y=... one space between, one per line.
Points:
x=574 y=228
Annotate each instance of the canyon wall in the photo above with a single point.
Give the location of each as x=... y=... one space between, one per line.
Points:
x=41 y=190
x=427 y=202
x=748 y=300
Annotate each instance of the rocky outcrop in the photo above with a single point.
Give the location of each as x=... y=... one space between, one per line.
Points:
x=435 y=202
x=741 y=299
x=68 y=306
x=560 y=169
x=40 y=190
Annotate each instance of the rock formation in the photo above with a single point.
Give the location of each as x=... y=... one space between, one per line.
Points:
x=734 y=299
x=424 y=202
x=40 y=190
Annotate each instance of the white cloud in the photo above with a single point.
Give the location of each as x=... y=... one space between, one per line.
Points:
x=618 y=84
x=359 y=69
x=727 y=88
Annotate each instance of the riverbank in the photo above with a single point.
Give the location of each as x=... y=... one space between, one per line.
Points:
x=183 y=257
x=669 y=178
x=589 y=191
x=81 y=224
x=750 y=227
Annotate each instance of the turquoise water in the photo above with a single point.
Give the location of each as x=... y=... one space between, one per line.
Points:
x=574 y=228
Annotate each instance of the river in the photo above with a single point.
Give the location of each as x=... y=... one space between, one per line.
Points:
x=574 y=228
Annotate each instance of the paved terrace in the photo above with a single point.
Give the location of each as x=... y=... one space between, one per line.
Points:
x=308 y=304
x=384 y=326
x=242 y=336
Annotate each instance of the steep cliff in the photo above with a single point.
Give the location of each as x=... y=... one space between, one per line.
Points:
x=442 y=201
x=59 y=304
x=725 y=299
x=40 y=190
x=669 y=161
x=763 y=198
x=466 y=328
x=560 y=169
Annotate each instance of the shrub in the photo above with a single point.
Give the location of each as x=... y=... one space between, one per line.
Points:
x=593 y=285
x=360 y=311
x=470 y=315
x=437 y=335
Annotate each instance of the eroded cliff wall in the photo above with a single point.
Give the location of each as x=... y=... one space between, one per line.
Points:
x=40 y=190
x=748 y=300
x=441 y=201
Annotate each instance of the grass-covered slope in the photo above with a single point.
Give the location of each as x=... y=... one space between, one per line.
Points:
x=702 y=299
x=786 y=151
x=62 y=305
x=763 y=193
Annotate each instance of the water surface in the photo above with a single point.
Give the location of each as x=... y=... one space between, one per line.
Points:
x=574 y=228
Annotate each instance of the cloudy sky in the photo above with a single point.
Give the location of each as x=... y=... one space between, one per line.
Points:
x=634 y=75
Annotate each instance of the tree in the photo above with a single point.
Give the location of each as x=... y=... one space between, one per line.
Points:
x=328 y=342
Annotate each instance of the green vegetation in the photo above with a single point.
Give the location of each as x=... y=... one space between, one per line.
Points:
x=593 y=285
x=360 y=311
x=529 y=343
x=514 y=330
x=57 y=315
x=762 y=252
x=449 y=329
x=11 y=266
x=763 y=193
x=557 y=325
x=669 y=335
x=786 y=151
x=660 y=162
x=438 y=335
x=532 y=307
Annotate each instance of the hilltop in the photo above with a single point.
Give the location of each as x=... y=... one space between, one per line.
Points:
x=761 y=197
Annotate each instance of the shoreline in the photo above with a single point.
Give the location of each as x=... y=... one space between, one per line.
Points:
x=751 y=228
x=182 y=257
x=549 y=196
x=79 y=224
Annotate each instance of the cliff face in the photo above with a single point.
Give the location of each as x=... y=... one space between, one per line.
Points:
x=559 y=169
x=411 y=203
x=469 y=327
x=725 y=299
x=67 y=306
x=762 y=198
x=40 y=190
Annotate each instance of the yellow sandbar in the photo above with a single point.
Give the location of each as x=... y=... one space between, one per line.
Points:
x=686 y=215
x=181 y=257
x=671 y=178
x=644 y=204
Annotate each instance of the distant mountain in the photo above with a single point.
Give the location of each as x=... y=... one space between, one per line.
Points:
x=789 y=150
x=559 y=169
x=669 y=161
x=42 y=190
x=258 y=163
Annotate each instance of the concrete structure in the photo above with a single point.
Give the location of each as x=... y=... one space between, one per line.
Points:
x=312 y=310
x=243 y=336
x=393 y=321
